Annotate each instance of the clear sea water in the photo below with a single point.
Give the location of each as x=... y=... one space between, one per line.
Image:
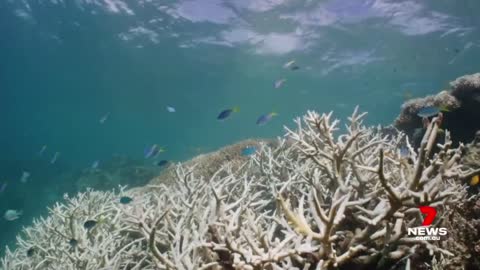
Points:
x=65 y=64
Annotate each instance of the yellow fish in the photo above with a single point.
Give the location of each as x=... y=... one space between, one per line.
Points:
x=474 y=180
x=444 y=108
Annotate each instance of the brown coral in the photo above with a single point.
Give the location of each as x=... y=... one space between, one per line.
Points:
x=462 y=102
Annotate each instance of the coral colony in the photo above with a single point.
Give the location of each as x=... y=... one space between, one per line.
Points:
x=314 y=201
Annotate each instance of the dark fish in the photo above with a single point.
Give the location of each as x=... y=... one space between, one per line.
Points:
x=31 y=252
x=418 y=134
x=125 y=200
x=294 y=67
x=161 y=163
x=89 y=224
x=73 y=242
x=226 y=113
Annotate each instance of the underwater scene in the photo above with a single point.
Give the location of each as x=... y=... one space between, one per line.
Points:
x=239 y=134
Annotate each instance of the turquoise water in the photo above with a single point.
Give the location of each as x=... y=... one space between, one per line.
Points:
x=66 y=64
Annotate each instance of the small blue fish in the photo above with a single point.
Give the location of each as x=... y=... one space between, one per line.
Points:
x=3 y=186
x=264 y=119
x=150 y=151
x=55 y=157
x=24 y=178
x=12 y=214
x=171 y=109
x=289 y=64
x=429 y=111
x=279 y=83
x=104 y=118
x=161 y=163
x=125 y=200
x=226 y=113
x=89 y=224
x=404 y=152
x=42 y=150
x=153 y=151
x=95 y=164
x=249 y=150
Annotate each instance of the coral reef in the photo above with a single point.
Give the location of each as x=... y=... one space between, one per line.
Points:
x=207 y=164
x=61 y=241
x=120 y=170
x=312 y=200
x=462 y=102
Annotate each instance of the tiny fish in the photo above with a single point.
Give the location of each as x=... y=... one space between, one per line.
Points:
x=474 y=180
x=89 y=224
x=444 y=108
x=226 y=113
x=249 y=150
x=12 y=214
x=279 y=83
x=104 y=118
x=3 y=186
x=125 y=200
x=153 y=151
x=55 y=157
x=42 y=150
x=161 y=163
x=288 y=64
x=171 y=109
x=429 y=111
x=31 y=252
x=264 y=119
x=25 y=176
x=95 y=164
x=73 y=242
x=294 y=67
x=404 y=152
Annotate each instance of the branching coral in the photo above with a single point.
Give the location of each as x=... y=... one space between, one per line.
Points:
x=314 y=201
x=61 y=241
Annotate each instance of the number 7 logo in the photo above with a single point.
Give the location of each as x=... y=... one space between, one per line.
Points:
x=430 y=214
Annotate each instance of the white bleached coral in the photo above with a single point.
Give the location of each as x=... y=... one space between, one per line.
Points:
x=315 y=200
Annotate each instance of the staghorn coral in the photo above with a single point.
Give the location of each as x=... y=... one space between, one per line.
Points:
x=60 y=241
x=313 y=201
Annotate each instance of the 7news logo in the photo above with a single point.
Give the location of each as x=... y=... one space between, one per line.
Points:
x=425 y=232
